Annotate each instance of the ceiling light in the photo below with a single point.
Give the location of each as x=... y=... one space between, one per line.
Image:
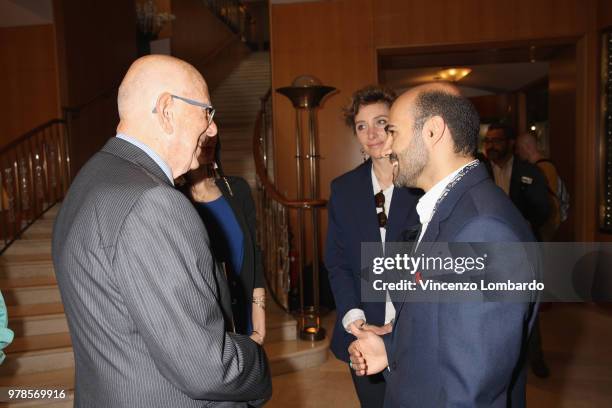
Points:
x=533 y=127
x=454 y=74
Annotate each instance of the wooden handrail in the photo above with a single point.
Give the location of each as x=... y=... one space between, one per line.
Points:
x=29 y=134
x=270 y=188
x=76 y=109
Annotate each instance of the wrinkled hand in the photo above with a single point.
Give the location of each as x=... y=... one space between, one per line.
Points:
x=367 y=354
x=379 y=330
x=356 y=325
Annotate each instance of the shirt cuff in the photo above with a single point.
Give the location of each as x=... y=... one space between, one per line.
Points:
x=351 y=316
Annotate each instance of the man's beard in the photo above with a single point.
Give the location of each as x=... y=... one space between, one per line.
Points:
x=411 y=163
x=494 y=154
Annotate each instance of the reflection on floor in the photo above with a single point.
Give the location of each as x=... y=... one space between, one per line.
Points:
x=578 y=345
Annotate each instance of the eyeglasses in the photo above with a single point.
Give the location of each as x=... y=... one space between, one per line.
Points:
x=379 y=200
x=210 y=111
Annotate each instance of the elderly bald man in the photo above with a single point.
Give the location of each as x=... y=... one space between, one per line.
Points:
x=443 y=353
x=147 y=307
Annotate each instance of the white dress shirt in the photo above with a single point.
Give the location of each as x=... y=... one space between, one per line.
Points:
x=426 y=204
x=502 y=175
x=356 y=314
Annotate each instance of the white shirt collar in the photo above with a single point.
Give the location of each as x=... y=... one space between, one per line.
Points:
x=426 y=204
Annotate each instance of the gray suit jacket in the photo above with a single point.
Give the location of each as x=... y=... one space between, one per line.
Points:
x=146 y=305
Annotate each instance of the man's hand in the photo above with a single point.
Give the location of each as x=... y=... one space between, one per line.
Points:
x=368 y=354
x=379 y=330
x=355 y=326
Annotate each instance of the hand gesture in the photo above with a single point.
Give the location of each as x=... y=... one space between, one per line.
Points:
x=367 y=354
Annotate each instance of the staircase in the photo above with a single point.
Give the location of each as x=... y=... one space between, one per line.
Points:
x=237 y=101
x=41 y=353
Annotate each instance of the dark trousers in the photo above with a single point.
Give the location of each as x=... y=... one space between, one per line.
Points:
x=534 y=344
x=370 y=389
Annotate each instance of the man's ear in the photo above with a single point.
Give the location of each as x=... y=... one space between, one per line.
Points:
x=165 y=113
x=433 y=130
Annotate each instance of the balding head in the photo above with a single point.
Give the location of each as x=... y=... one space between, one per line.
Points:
x=527 y=147
x=433 y=128
x=150 y=76
x=150 y=112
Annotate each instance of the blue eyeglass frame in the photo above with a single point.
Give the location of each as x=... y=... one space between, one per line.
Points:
x=210 y=110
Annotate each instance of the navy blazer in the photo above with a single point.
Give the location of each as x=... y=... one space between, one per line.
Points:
x=351 y=221
x=464 y=354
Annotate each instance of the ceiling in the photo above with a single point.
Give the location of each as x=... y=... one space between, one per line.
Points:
x=16 y=13
x=495 y=69
x=484 y=79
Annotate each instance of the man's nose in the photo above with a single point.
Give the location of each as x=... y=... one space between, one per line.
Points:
x=212 y=129
x=387 y=147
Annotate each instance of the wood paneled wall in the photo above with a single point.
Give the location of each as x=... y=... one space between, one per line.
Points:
x=338 y=42
x=203 y=40
x=28 y=79
x=96 y=44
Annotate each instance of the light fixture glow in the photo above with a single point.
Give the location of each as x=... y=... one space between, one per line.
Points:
x=533 y=128
x=454 y=74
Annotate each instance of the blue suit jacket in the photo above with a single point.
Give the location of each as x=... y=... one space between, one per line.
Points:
x=351 y=221
x=464 y=354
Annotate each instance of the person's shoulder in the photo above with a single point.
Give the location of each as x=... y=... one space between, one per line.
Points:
x=486 y=202
x=525 y=168
x=349 y=179
x=237 y=182
x=546 y=166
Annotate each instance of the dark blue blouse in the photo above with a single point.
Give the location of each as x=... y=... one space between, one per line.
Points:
x=225 y=234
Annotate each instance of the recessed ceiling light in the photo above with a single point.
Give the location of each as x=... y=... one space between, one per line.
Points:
x=454 y=74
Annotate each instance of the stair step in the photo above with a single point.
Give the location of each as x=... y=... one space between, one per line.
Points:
x=41 y=229
x=38 y=343
x=29 y=247
x=38 y=319
x=290 y=356
x=280 y=328
x=35 y=310
x=27 y=291
x=58 y=378
x=28 y=362
x=25 y=266
x=67 y=402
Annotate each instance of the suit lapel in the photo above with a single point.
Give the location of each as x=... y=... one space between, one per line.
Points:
x=127 y=151
x=365 y=208
x=399 y=212
x=444 y=211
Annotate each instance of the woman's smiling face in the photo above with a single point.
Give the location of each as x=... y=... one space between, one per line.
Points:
x=370 y=123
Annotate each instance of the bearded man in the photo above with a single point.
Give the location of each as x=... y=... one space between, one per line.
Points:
x=451 y=353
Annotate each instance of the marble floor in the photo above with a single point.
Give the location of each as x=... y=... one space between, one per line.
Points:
x=577 y=341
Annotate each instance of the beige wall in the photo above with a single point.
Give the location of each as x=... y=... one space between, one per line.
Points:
x=337 y=41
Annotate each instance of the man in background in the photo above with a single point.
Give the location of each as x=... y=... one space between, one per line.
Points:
x=527 y=150
x=521 y=181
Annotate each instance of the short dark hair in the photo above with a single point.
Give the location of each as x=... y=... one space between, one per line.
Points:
x=508 y=130
x=458 y=113
x=367 y=96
